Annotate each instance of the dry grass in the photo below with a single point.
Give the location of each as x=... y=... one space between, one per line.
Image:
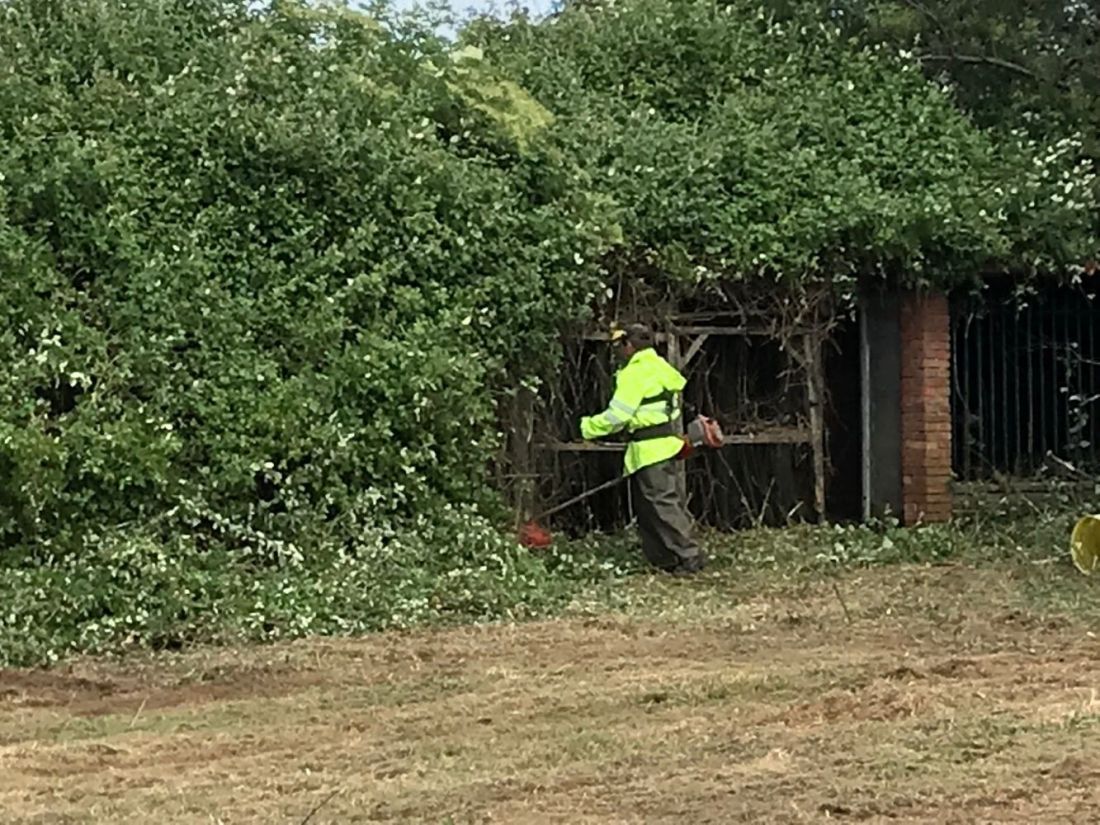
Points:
x=943 y=699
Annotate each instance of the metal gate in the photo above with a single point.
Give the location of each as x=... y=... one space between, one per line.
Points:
x=1026 y=381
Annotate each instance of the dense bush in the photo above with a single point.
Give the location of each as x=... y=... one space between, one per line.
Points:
x=268 y=270
x=134 y=588
x=268 y=267
x=741 y=139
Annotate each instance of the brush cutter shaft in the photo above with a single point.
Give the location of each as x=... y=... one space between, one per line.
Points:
x=702 y=432
x=577 y=499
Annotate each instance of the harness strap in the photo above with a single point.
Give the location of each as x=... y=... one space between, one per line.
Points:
x=668 y=396
x=656 y=431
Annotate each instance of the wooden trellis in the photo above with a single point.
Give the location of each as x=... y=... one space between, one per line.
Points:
x=545 y=448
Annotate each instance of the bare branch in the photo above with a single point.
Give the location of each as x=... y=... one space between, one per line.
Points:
x=319 y=806
x=927 y=12
x=980 y=60
x=839 y=598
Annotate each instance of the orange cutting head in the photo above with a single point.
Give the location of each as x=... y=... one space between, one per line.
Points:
x=533 y=536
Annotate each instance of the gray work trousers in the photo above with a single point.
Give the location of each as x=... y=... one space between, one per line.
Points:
x=663 y=520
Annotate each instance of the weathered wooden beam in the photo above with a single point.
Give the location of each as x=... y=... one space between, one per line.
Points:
x=721 y=330
x=661 y=337
x=694 y=349
x=763 y=332
x=815 y=397
x=596 y=335
x=777 y=435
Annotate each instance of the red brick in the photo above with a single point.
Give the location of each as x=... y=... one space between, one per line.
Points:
x=925 y=407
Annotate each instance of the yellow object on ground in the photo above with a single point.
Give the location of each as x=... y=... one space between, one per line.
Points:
x=1085 y=544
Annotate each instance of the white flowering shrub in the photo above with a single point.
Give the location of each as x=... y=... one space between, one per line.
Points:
x=748 y=141
x=268 y=269
x=129 y=589
x=269 y=262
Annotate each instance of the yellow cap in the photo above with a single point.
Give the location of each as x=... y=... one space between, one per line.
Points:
x=617 y=335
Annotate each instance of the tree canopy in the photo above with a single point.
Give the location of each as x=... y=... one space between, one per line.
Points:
x=738 y=140
x=1017 y=67
x=1011 y=63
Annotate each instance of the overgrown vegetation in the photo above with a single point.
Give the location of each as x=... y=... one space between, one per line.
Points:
x=265 y=271
x=133 y=588
x=269 y=270
x=130 y=590
x=740 y=139
x=1030 y=65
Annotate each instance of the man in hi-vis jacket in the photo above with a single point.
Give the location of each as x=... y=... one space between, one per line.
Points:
x=646 y=406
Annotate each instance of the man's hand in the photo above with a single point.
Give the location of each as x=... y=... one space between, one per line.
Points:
x=588 y=430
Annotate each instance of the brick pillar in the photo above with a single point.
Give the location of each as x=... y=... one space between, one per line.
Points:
x=925 y=408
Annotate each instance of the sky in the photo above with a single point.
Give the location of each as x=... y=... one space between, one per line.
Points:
x=498 y=7
x=462 y=6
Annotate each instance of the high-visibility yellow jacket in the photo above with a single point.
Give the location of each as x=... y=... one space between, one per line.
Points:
x=646 y=394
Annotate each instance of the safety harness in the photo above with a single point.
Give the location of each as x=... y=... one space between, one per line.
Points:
x=658 y=430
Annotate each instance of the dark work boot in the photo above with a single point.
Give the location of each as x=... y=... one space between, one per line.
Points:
x=691 y=566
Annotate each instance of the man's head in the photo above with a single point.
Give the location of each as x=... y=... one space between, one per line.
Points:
x=631 y=339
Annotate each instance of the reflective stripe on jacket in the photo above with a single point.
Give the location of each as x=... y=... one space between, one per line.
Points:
x=646 y=394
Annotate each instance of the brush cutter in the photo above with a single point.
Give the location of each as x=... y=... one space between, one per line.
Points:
x=702 y=433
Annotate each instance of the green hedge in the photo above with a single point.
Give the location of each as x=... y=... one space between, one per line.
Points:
x=267 y=274
x=270 y=267
x=741 y=140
